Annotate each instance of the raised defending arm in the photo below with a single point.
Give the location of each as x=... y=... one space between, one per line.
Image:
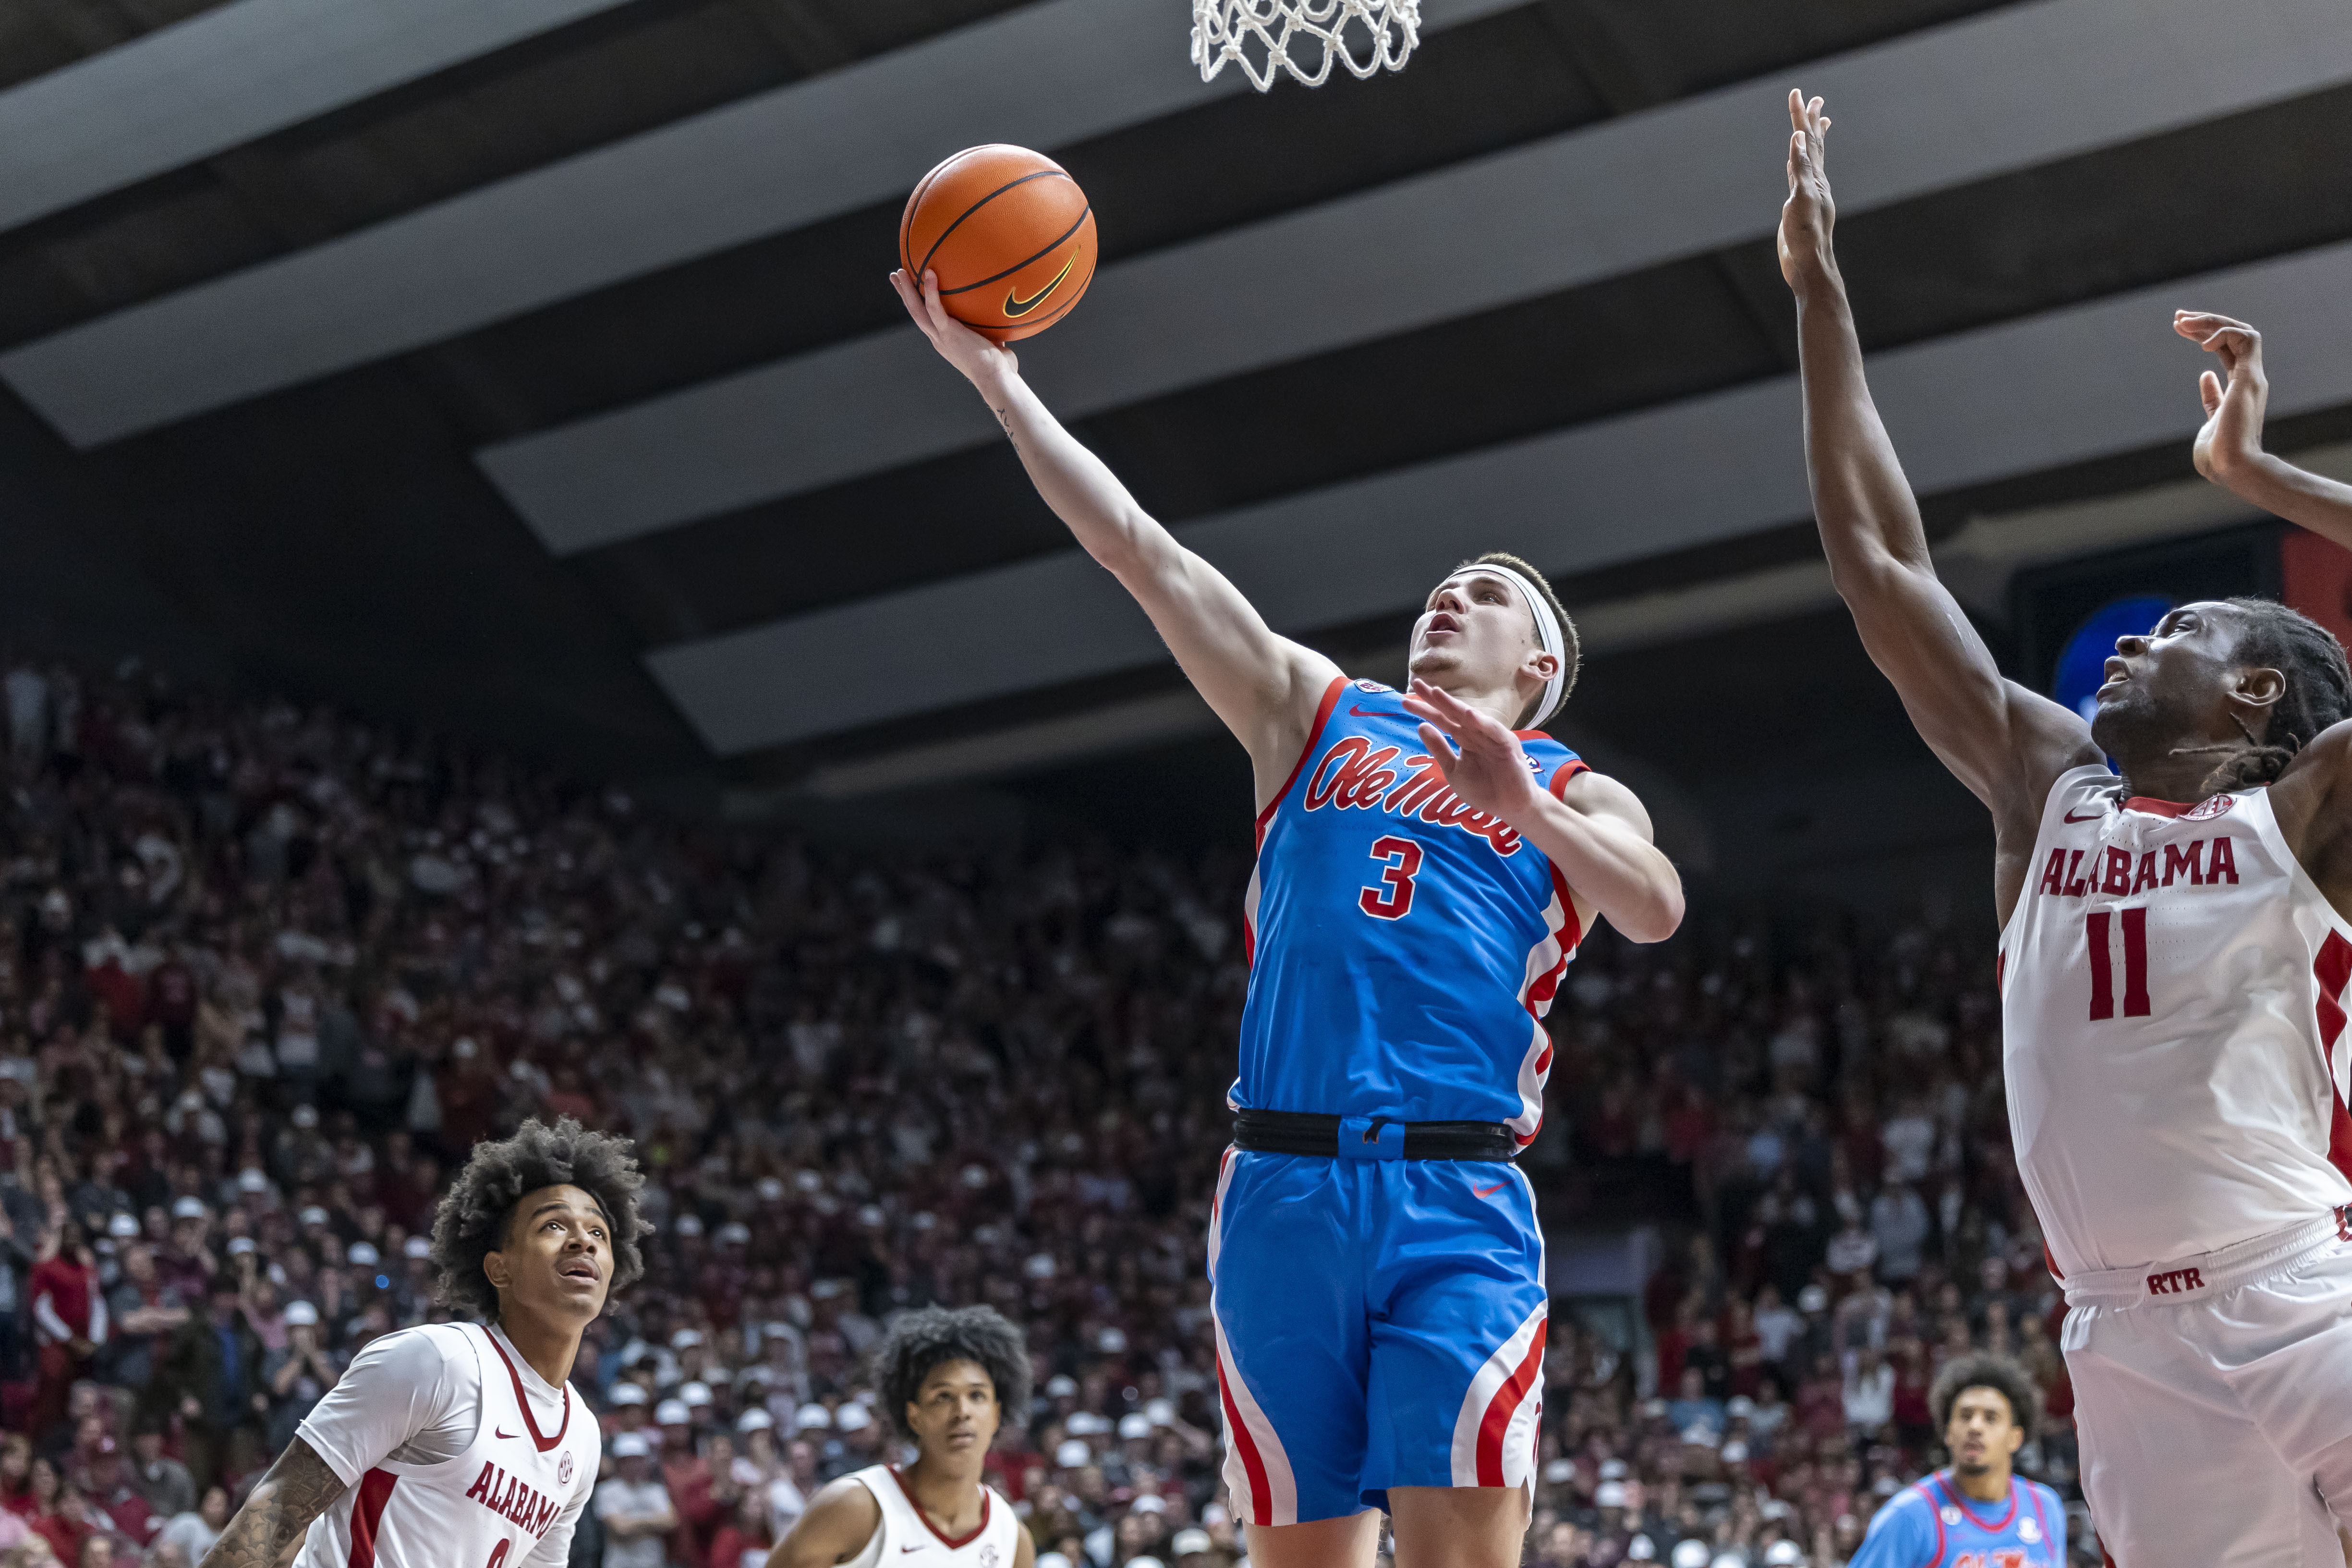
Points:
x=2229 y=449
x=1263 y=686
x=268 y=1527
x=2006 y=744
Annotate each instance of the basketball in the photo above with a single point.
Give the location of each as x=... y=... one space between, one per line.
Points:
x=1011 y=235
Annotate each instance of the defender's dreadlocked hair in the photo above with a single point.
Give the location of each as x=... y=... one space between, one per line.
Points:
x=2318 y=689
x=921 y=1341
x=1573 y=654
x=476 y=1214
x=1983 y=1370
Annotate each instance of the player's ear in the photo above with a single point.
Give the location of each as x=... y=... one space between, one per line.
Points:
x=2260 y=686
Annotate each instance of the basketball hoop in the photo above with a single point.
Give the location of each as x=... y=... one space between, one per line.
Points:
x=1368 y=36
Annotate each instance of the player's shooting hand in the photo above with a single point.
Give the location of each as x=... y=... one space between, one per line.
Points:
x=2232 y=439
x=1809 y=215
x=1483 y=761
x=982 y=363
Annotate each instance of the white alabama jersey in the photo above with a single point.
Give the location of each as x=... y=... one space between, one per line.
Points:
x=2172 y=986
x=907 y=1536
x=487 y=1508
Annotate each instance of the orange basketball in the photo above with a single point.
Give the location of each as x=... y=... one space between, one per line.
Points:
x=1010 y=234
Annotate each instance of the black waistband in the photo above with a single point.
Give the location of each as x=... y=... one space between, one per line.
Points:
x=1303 y=1133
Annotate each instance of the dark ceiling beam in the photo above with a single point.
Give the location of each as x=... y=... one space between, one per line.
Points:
x=2058 y=388
x=2014 y=88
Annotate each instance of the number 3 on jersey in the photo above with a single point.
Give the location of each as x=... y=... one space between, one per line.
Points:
x=2103 y=971
x=1390 y=898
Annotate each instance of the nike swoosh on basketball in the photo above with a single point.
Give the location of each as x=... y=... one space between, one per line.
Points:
x=1016 y=307
x=502 y=1432
x=2092 y=817
x=1487 y=1191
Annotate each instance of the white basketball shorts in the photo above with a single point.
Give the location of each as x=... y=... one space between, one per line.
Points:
x=2213 y=1401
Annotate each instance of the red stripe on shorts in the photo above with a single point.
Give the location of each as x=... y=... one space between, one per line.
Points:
x=1502 y=1406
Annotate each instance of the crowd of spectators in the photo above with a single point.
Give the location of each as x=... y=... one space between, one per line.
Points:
x=267 y=974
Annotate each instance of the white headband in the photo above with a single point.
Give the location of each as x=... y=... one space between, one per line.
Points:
x=1548 y=633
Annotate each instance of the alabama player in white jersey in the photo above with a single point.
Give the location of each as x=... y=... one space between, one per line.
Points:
x=2173 y=962
x=947 y=1378
x=461 y=1444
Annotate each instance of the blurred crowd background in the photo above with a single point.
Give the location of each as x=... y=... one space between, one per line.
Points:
x=267 y=974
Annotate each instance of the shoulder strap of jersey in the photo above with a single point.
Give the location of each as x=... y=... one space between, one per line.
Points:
x=1314 y=733
x=1935 y=1517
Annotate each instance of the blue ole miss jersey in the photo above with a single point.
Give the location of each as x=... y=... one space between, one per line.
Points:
x=1933 y=1524
x=1403 y=948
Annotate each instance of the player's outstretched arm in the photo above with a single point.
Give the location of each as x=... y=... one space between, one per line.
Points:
x=297 y=1489
x=2006 y=744
x=1595 y=831
x=2229 y=449
x=1263 y=686
x=840 y=1520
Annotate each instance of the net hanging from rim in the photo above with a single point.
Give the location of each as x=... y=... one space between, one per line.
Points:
x=1366 y=37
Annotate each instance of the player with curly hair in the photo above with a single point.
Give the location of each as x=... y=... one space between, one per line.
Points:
x=1976 y=1509
x=947 y=1379
x=462 y=1444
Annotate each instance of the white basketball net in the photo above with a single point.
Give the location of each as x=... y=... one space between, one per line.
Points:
x=1366 y=37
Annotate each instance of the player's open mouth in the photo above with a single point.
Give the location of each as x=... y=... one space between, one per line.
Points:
x=579 y=1271
x=1441 y=622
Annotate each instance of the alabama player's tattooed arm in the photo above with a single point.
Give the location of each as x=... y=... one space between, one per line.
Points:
x=2006 y=744
x=1263 y=686
x=268 y=1529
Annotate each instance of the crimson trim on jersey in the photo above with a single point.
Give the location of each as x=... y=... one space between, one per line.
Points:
x=544 y=1442
x=1935 y=1514
x=1568 y=770
x=1960 y=1502
x=2330 y=972
x=950 y=1541
x=367 y=1512
x=2161 y=807
x=1322 y=717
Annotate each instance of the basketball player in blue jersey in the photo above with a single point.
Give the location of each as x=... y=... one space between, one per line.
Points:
x=1427 y=864
x=1977 y=1513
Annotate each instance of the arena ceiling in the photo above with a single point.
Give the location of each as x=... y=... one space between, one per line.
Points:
x=529 y=363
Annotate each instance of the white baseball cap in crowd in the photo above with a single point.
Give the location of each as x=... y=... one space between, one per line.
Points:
x=1613 y=1470
x=631 y=1446
x=734 y=1232
x=1061 y=1386
x=629 y=1393
x=687 y=1224
x=851 y=1417
x=305 y=1116
x=1691 y=1554
x=694 y=1393
x=1739 y=1406
x=1052 y=1560
x=188 y=1208
x=239 y=1244
x=312 y=1214
x=1073 y=1454
x=1728 y=1560
x=1641 y=1549
x=417 y=1247
x=813 y=1417
x=1735 y=1452
x=1783 y=1555
x=1145 y=1563
x=252 y=1179
x=1149 y=1502
x=302 y=1315
x=1134 y=1425
x=363 y=1255
x=685 y=1339
x=1609 y=1494
x=123 y=1227
x=755 y=1420
x=1190 y=1543
x=672 y=1413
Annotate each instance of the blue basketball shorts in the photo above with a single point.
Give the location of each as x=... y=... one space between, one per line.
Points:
x=1380 y=1323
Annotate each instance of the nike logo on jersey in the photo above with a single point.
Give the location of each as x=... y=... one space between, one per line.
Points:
x=1487 y=1191
x=502 y=1432
x=2089 y=816
x=1378 y=712
x=1016 y=307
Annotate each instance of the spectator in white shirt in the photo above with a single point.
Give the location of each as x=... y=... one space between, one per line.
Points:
x=634 y=1507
